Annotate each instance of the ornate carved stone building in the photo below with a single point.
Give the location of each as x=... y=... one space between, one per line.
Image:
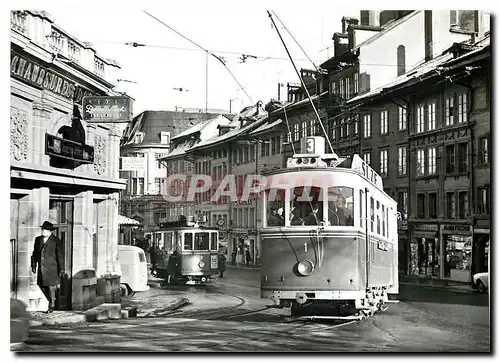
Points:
x=62 y=168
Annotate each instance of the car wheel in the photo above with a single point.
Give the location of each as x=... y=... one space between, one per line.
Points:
x=481 y=288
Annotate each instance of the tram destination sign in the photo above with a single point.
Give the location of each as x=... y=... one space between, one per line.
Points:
x=107 y=109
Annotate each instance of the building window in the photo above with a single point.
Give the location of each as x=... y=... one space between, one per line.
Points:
x=450 y=205
x=383 y=163
x=431 y=116
x=347 y=126
x=296 y=132
x=401 y=58
x=333 y=89
x=139 y=136
x=157 y=185
x=342 y=124
x=356 y=125
x=165 y=138
x=450 y=159
x=449 y=108
x=462 y=108
x=463 y=204
x=367 y=157
x=367 y=125
x=433 y=205
x=342 y=89
x=383 y=122
x=304 y=129
x=403 y=202
x=431 y=155
x=348 y=88
x=401 y=118
x=402 y=161
x=420 y=162
x=356 y=83
x=484 y=150
x=334 y=131
x=463 y=157
x=483 y=200
x=420 y=119
x=421 y=206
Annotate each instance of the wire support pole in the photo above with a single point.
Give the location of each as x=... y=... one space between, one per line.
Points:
x=206 y=82
x=303 y=84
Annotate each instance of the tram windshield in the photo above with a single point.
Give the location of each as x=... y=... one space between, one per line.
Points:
x=202 y=241
x=308 y=206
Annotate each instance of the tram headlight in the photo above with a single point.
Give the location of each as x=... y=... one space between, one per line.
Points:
x=306 y=161
x=201 y=264
x=305 y=267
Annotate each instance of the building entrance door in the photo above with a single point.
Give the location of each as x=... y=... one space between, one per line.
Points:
x=61 y=214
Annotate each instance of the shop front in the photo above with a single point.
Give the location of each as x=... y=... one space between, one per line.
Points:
x=457 y=240
x=424 y=247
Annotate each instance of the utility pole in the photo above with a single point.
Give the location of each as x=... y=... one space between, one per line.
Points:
x=206 y=81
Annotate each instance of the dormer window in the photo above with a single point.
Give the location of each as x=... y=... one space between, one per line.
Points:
x=139 y=137
x=165 y=138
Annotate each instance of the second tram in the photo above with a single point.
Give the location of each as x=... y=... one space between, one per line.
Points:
x=192 y=248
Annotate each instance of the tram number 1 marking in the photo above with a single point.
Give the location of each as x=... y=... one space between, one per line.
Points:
x=305 y=247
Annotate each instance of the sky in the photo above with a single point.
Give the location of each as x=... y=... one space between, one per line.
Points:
x=225 y=28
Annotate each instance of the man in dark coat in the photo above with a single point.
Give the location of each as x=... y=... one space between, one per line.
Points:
x=48 y=254
x=221 y=264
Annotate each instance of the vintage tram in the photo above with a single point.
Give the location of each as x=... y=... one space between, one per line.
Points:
x=193 y=248
x=329 y=236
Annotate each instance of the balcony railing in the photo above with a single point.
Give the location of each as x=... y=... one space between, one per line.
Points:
x=18 y=22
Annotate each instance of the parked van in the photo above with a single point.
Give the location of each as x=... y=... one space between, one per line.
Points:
x=134 y=268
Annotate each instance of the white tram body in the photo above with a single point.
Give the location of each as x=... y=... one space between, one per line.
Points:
x=329 y=234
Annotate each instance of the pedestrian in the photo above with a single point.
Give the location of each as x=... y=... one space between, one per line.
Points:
x=248 y=257
x=233 y=256
x=172 y=267
x=222 y=264
x=47 y=261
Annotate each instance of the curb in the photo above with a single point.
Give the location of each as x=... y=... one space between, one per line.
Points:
x=452 y=288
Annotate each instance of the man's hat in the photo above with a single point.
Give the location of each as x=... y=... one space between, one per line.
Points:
x=47 y=226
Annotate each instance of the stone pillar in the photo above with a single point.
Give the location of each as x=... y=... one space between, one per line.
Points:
x=40 y=125
x=83 y=273
x=114 y=156
x=90 y=140
x=33 y=211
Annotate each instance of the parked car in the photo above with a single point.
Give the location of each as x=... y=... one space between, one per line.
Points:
x=134 y=269
x=481 y=282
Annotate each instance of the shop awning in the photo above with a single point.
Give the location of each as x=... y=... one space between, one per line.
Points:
x=123 y=220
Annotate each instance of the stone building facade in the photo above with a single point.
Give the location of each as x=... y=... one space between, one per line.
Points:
x=50 y=73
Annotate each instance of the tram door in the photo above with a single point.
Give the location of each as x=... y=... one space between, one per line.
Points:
x=61 y=212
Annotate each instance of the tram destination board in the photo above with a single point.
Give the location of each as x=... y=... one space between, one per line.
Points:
x=59 y=147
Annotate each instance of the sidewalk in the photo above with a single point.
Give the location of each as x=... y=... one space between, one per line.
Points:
x=436 y=283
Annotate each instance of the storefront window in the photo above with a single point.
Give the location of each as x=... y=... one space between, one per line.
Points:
x=458 y=259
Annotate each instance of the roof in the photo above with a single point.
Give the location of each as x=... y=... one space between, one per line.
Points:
x=422 y=69
x=254 y=113
x=266 y=126
x=151 y=123
x=203 y=129
x=123 y=220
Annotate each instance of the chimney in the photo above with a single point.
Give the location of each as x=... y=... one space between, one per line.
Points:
x=341 y=44
x=428 y=35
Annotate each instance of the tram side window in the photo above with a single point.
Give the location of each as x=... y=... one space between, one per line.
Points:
x=378 y=217
x=275 y=210
x=188 y=241
x=361 y=208
x=201 y=241
x=306 y=206
x=214 y=241
x=372 y=214
x=383 y=221
x=169 y=241
x=341 y=206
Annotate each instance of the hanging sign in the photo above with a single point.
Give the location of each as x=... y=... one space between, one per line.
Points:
x=107 y=109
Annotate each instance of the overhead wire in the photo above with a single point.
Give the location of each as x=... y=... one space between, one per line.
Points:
x=206 y=50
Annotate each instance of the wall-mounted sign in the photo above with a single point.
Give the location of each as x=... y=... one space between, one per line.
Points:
x=133 y=163
x=107 y=109
x=457 y=228
x=30 y=71
x=426 y=227
x=61 y=148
